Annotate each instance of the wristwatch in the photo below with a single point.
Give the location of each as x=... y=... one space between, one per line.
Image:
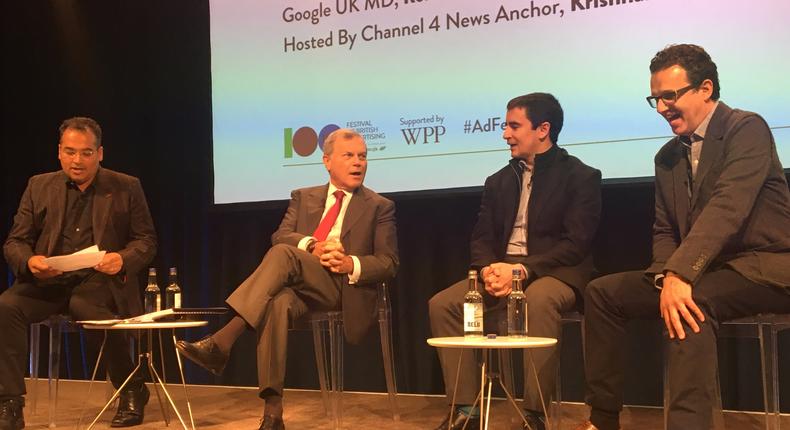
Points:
x=310 y=245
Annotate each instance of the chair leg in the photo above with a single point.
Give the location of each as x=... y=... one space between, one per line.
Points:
x=319 y=345
x=665 y=377
x=718 y=410
x=35 y=350
x=770 y=374
x=385 y=331
x=557 y=412
x=54 y=368
x=336 y=362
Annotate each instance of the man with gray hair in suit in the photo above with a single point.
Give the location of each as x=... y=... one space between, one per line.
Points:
x=335 y=243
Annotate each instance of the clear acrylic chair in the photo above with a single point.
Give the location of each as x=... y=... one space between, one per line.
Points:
x=572 y=317
x=57 y=324
x=327 y=327
x=765 y=328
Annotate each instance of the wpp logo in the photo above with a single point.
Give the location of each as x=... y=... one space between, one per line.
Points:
x=305 y=140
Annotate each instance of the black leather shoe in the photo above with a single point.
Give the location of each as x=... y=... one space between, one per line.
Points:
x=131 y=407
x=535 y=421
x=270 y=422
x=204 y=353
x=457 y=421
x=11 y=417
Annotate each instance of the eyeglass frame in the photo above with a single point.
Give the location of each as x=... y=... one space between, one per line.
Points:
x=72 y=153
x=667 y=101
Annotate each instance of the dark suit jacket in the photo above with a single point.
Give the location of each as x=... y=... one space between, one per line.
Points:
x=563 y=213
x=368 y=232
x=739 y=213
x=121 y=223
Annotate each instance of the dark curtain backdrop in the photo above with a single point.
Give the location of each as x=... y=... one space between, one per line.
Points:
x=142 y=69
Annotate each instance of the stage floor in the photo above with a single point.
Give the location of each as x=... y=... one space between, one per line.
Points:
x=239 y=408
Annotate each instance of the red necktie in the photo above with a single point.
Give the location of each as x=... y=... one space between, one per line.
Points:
x=329 y=219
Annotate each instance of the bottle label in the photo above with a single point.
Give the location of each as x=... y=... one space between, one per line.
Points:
x=473 y=317
x=177 y=300
x=158 y=303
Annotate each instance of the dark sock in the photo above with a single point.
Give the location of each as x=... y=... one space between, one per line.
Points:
x=534 y=413
x=225 y=337
x=274 y=406
x=605 y=420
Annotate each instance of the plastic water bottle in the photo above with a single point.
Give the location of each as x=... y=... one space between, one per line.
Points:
x=473 y=308
x=153 y=298
x=516 y=308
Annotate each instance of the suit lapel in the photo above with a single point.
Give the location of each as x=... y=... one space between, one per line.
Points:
x=102 y=202
x=315 y=207
x=58 y=208
x=356 y=207
x=711 y=148
x=680 y=189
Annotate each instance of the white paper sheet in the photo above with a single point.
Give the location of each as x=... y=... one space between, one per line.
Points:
x=83 y=259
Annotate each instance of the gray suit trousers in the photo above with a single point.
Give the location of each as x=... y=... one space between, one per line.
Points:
x=286 y=284
x=547 y=298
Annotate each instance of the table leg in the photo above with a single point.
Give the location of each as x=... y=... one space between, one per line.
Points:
x=512 y=401
x=93 y=377
x=158 y=380
x=150 y=360
x=183 y=382
x=540 y=393
x=455 y=390
x=483 y=379
x=162 y=355
x=118 y=391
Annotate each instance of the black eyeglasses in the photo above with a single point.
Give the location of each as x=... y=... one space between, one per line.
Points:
x=668 y=97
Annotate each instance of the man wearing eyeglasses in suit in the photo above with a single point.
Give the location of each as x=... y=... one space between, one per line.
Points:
x=721 y=248
x=60 y=213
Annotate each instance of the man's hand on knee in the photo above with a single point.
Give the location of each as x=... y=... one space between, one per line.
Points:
x=676 y=303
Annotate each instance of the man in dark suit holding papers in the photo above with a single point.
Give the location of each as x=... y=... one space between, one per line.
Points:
x=60 y=213
x=721 y=245
x=335 y=243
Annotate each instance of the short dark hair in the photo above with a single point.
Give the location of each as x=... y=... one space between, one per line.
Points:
x=540 y=108
x=693 y=58
x=83 y=124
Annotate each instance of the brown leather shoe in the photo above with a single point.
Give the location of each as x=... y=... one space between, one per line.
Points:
x=205 y=353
